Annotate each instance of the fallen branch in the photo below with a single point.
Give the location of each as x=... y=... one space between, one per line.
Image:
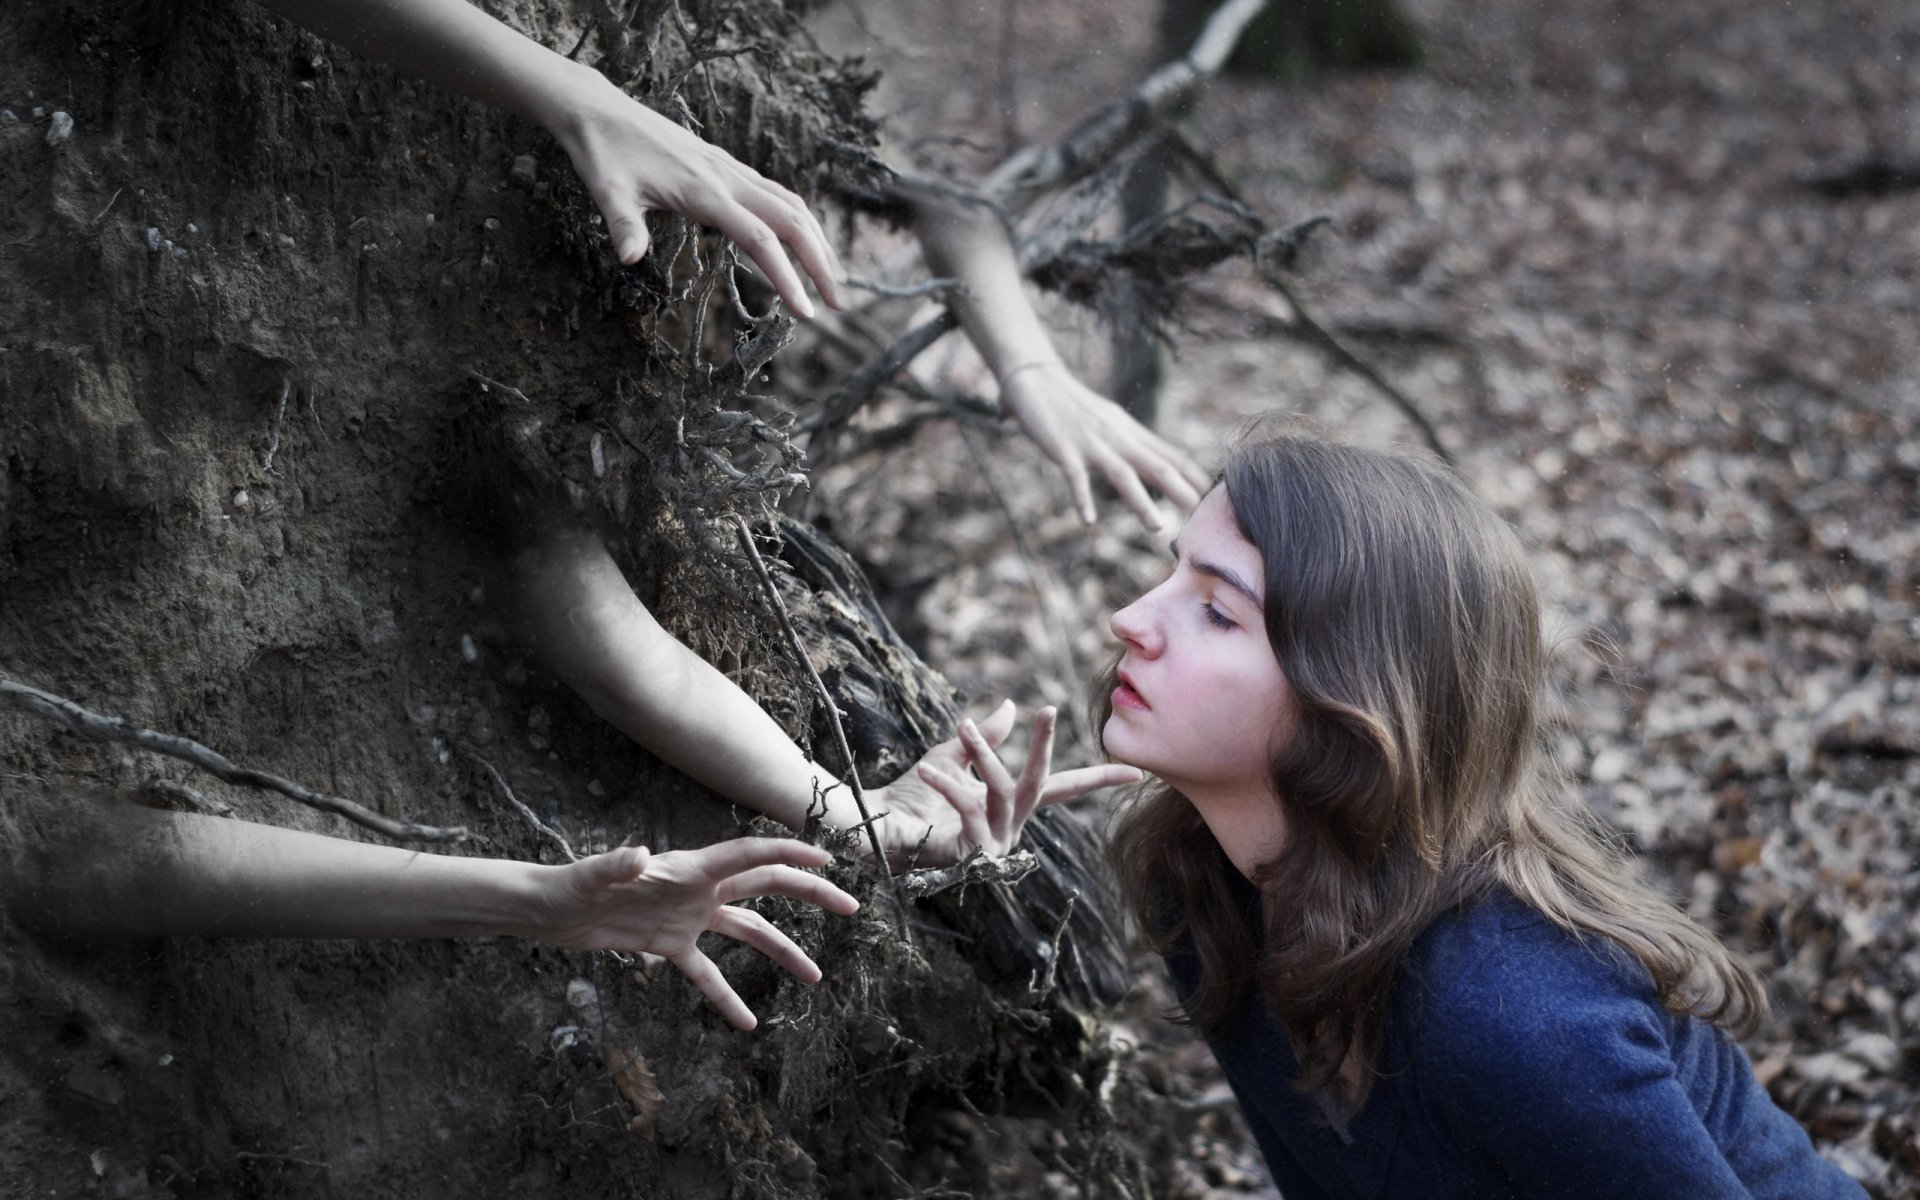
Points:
x=852 y=779
x=94 y=727
x=974 y=868
x=1101 y=137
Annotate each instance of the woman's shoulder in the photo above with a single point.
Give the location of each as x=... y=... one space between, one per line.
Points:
x=1495 y=984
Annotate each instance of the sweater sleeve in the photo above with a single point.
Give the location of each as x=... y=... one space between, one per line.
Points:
x=1552 y=1064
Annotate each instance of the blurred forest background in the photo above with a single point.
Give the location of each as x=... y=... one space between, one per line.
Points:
x=1652 y=271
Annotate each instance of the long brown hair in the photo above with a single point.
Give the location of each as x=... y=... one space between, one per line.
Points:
x=1405 y=619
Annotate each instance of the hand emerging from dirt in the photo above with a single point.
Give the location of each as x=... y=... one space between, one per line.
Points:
x=1079 y=429
x=956 y=810
x=632 y=159
x=628 y=899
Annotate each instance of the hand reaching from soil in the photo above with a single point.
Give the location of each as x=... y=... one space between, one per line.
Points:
x=1079 y=429
x=955 y=811
x=630 y=900
x=631 y=158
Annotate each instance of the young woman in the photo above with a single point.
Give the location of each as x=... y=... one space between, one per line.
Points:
x=1425 y=968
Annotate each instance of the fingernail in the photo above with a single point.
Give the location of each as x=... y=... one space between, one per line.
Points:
x=803 y=306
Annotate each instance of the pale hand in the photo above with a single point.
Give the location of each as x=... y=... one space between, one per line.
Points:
x=632 y=159
x=956 y=812
x=1082 y=431
x=630 y=900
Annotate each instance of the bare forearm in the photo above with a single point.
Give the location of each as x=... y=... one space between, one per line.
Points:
x=161 y=874
x=967 y=243
x=595 y=634
x=454 y=45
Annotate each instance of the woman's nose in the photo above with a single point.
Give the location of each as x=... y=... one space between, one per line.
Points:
x=1135 y=626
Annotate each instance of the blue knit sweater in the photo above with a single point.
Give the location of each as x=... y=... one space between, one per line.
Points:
x=1520 y=1061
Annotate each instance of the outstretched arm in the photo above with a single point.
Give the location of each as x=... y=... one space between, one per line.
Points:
x=595 y=634
x=145 y=873
x=631 y=158
x=1079 y=429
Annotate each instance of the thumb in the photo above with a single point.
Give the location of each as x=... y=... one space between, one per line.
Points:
x=628 y=229
x=621 y=865
x=999 y=724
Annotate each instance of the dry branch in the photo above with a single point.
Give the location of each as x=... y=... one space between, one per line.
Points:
x=94 y=727
x=974 y=868
x=820 y=690
x=1100 y=138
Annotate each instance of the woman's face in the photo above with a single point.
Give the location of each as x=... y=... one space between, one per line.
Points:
x=1201 y=702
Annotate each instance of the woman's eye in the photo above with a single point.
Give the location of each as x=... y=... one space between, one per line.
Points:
x=1217 y=618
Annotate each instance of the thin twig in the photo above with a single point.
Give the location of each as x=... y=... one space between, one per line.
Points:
x=109 y=208
x=510 y=390
x=506 y=789
x=93 y=726
x=1317 y=334
x=1041 y=985
x=799 y=648
x=900 y=291
x=1042 y=580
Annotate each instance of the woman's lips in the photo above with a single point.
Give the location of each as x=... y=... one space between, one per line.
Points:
x=1125 y=697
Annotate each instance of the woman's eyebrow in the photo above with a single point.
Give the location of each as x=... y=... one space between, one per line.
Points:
x=1222 y=574
x=1230 y=579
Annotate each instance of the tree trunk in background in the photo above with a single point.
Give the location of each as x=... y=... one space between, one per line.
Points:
x=1293 y=39
x=238 y=307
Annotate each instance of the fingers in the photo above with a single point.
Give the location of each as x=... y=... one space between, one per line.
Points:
x=763 y=246
x=743 y=854
x=1080 y=484
x=1078 y=782
x=1125 y=480
x=1172 y=472
x=745 y=925
x=980 y=754
x=701 y=972
x=968 y=800
x=1033 y=776
x=794 y=223
x=785 y=881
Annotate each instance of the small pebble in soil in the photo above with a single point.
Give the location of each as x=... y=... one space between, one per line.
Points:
x=8 y=115
x=153 y=239
x=524 y=170
x=490 y=224
x=241 y=500
x=468 y=650
x=60 y=129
